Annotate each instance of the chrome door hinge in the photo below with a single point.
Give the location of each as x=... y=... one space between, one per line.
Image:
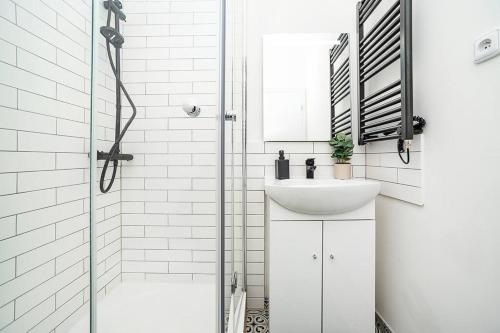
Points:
x=234 y=282
x=230 y=116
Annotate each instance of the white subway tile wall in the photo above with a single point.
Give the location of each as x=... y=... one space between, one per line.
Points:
x=44 y=167
x=399 y=180
x=168 y=190
x=108 y=206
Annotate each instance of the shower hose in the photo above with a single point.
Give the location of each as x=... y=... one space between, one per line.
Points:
x=116 y=146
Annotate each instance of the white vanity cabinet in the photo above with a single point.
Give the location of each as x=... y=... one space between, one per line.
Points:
x=295 y=276
x=348 y=276
x=321 y=271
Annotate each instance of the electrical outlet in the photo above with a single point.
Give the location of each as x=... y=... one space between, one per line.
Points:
x=487 y=46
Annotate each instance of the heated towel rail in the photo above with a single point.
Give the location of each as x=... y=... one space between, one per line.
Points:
x=387 y=113
x=340 y=87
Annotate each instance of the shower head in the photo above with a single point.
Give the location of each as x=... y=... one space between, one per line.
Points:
x=112 y=36
x=191 y=110
x=116 y=7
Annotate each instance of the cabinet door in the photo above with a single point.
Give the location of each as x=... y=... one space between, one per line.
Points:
x=295 y=273
x=349 y=276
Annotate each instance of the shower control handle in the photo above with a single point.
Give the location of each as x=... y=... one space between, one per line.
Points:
x=315 y=256
x=332 y=257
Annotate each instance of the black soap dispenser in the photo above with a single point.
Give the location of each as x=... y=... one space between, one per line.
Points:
x=282 y=167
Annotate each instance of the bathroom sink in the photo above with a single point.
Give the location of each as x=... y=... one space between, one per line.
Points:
x=322 y=196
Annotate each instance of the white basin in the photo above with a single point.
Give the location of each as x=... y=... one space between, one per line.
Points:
x=322 y=196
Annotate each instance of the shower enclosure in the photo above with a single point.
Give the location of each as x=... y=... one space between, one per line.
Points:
x=157 y=244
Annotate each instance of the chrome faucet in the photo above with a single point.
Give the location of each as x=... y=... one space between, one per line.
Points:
x=310 y=167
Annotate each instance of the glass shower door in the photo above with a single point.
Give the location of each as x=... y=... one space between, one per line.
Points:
x=161 y=273
x=234 y=165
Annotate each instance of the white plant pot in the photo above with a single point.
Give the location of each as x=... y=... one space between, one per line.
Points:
x=342 y=171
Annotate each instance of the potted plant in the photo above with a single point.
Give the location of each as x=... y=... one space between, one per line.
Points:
x=342 y=152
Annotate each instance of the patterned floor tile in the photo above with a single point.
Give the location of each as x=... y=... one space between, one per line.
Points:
x=257 y=321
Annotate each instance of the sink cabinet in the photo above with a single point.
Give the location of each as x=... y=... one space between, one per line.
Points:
x=321 y=271
x=295 y=276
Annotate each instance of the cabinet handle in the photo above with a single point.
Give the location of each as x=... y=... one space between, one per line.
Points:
x=332 y=257
x=315 y=256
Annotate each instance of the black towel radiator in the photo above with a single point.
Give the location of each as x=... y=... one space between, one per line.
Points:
x=386 y=114
x=340 y=87
x=115 y=38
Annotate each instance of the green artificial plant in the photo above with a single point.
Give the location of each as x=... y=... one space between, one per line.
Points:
x=342 y=146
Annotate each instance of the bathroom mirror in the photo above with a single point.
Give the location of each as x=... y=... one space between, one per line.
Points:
x=296 y=86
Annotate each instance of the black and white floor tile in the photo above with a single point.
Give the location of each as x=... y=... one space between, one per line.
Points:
x=380 y=326
x=257 y=321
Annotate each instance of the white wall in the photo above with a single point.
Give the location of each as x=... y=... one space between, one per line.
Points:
x=44 y=136
x=437 y=265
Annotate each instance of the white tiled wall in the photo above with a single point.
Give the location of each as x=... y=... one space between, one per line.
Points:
x=44 y=136
x=44 y=173
x=108 y=206
x=168 y=190
x=399 y=180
